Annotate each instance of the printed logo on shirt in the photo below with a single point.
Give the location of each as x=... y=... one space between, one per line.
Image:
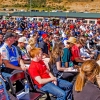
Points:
x=4 y=53
x=12 y=59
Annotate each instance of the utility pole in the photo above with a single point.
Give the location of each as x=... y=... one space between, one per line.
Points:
x=30 y=4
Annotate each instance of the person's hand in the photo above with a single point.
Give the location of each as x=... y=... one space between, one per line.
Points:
x=54 y=82
x=53 y=78
x=44 y=56
x=18 y=68
x=24 y=68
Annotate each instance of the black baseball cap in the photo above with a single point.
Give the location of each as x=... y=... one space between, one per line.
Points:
x=8 y=35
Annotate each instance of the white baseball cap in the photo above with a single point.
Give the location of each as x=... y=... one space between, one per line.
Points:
x=22 y=39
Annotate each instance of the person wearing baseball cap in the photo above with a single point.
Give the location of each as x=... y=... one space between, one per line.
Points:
x=8 y=35
x=10 y=54
x=22 y=40
x=43 y=44
x=22 y=50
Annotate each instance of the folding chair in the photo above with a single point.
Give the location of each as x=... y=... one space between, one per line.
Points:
x=21 y=76
x=34 y=88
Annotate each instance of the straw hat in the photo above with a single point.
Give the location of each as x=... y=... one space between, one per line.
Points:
x=72 y=40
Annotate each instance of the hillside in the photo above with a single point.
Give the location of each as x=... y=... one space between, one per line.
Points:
x=66 y=5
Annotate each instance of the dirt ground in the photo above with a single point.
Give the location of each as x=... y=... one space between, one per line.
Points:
x=92 y=6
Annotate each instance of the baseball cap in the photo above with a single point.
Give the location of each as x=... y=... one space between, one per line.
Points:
x=23 y=40
x=8 y=35
x=55 y=36
x=18 y=32
x=44 y=36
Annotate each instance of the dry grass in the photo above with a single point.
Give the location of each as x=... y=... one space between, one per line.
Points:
x=92 y=6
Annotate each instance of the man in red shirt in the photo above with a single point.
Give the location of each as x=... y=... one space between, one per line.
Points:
x=44 y=80
x=75 y=51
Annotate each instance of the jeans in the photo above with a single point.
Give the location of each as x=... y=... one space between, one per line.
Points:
x=3 y=83
x=63 y=90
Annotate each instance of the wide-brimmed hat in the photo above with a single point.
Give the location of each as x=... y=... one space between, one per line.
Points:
x=72 y=40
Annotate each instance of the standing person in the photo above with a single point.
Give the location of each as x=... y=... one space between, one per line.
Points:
x=85 y=86
x=45 y=80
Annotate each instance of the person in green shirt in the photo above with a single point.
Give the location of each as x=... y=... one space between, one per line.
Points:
x=66 y=57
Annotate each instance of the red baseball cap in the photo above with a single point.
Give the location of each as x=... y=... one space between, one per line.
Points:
x=44 y=36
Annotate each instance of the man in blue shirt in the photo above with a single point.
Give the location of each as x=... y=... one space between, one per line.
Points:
x=10 y=55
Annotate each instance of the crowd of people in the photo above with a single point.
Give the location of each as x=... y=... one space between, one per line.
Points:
x=62 y=59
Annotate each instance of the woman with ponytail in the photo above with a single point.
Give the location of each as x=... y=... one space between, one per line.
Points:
x=86 y=87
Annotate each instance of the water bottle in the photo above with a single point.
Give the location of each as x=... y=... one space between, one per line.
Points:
x=26 y=87
x=2 y=92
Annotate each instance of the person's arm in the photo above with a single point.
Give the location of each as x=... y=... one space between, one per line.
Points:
x=45 y=80
x=66 y=64
x=22 y=64
x=0 y=59
x=45 y=55
x=27 y=61
x=59 y=68
x=8 y=65
x=5 y=59
x=79 y=59
x=66 y=57
x=54 y=81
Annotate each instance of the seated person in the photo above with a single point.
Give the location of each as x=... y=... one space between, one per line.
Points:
x=45 y=80
x=9 y=53
x=85 y=54
x=10 y=57
x=57 y=62
x=75 y=51
x=86 y=87
x=22 y=41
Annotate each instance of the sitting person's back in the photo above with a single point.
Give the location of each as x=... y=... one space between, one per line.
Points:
x=85 y=87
